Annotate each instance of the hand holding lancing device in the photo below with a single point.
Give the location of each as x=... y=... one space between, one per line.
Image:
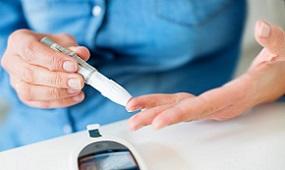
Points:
x=263 y=82
x=42 y=77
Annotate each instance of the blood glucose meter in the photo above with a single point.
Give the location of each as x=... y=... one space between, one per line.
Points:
x=106 y=153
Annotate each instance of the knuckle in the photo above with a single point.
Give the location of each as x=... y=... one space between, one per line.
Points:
x=181 y=113
x=55 y=62
x=27 y=75
x=29 y=50
x=57 y=80
x=16 y=34
x=13 y=83
x=205 y=100
x=4 y=62
x=54 y=92
x=165 y=120
x=24 y=93
x=181 y=117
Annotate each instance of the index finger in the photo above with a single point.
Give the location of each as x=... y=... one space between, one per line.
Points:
x=205 y=104
x=153 y=100
x=32 y=51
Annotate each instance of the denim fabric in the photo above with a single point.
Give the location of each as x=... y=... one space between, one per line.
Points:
x=149 y=46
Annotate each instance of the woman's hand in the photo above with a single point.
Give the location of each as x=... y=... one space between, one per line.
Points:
x=263 y=82
x=42 y=77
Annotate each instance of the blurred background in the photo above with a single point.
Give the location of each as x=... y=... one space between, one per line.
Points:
x=271 y=10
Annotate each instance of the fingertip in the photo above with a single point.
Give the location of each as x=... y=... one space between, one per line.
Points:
x=263 y=28
x=81 y=81
x=158 y=124
x=130 y=124
x=79 y=97
x=133 y=105
x=129 y=105
x=75 y=82
x=133 y=126
x=82 y=51
x=262 y=31
x=271 y=37
x=70 y=66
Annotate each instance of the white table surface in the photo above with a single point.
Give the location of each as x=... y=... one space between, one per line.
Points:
x=255 y=141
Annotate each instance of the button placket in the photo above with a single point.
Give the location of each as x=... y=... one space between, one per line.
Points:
x=96 y=11
x=97 y=15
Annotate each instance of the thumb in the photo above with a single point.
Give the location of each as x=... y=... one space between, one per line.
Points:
x=270 y=37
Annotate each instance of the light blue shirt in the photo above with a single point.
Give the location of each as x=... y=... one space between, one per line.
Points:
x=148 y=46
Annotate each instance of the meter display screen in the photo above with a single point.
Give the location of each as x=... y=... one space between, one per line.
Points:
x=119 y=160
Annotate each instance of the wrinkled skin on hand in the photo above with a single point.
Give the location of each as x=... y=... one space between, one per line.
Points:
x=42 y=77
x=263 y=82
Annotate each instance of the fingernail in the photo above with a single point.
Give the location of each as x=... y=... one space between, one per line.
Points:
x=129 y=109
x=73 y=91
x=133 y=109
x=74 y=84
x=69 y=66
x=264 y=29
x=78 y=98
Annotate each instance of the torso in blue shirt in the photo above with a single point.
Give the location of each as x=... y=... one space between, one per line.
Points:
x=148 y=46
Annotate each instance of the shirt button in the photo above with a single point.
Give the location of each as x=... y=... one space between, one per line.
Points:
x=67 y=129
x=96 y=10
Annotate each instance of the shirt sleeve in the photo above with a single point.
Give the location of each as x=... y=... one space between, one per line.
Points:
x=12 y=18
